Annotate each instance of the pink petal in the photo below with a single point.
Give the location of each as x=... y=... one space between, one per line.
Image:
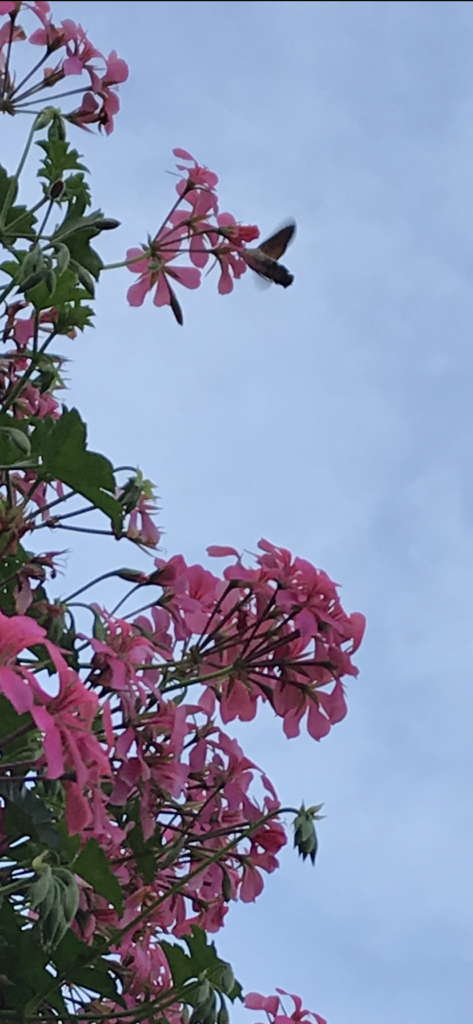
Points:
x=358 y=626
x=296 y=999
x=207 y=701
x=72 y=66
x=137 y=293
x=78 y=813
x=225 y=284
x=198 y=254
x=117 y=69
x=334 y=704
x=182 y=154
x=141 y=262
x=51 y=742
x=226 y=219
x=220 y=551
x=252 y=885
x=255 y=1001
x=187 y=276
x=292 y=726
x=16 y=689
x=108 y=724
x=162 y=295
x=317 y=724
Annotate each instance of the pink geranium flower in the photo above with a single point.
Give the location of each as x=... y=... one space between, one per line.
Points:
x=271 y=1005
x=154 y=271
x=18 y=684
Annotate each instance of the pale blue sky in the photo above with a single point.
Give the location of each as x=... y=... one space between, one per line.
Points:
x=335 y=418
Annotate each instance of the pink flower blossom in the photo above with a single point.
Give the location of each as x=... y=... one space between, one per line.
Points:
x=271 y=1005
x=17 y=683
x=154 y=274
x=141 y=525
x=196 y=174
x=66 y=722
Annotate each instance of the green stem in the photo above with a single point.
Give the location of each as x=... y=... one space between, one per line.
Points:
x=30 y=73
x=37 y=206
x=98 y=579
x=5 y=890
x=16 y=391
x=10 y=196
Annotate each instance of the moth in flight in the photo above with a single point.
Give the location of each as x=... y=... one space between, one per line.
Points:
x=264 y=258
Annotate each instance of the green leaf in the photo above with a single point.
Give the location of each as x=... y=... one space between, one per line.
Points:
x=73 y=316
x=84 y=278
x=14 y=445
x=180 y=964
x=67 y=290
x=82 y=252
x=144 y=852
x=23 y=963
x=93 y=865
x=10 y=720
x=27 y=814
x=76 y=231
x=201 y=962
x=19 y=222
x=72 y=958
x=62 y=447
x=59 y=158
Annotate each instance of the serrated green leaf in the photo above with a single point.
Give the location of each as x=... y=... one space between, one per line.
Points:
x=180 y=964
x=74 y=316
x=27 y=814
x=62 y=258
x=67 y=289
x=84 y=278
x=93 y=865
x=82 y=252
x=59 y=158
x=144 y=852
x=10 y=720
x=61 y=444
x=14 y=445
x=22 y=948
x=72 y=958
x=18 y=221
x=202 y=961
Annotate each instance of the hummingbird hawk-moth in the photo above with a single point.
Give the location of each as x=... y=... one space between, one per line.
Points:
x=264 y=258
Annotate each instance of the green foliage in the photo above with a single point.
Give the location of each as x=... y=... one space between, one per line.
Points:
x=19 y=948
x=92 y=865
x=15 y=221
x=62 y=449
x=15 y=445
x=27 y=815
x=55 y=897
x=10 y=565
x=200 y=975
x=59 y=159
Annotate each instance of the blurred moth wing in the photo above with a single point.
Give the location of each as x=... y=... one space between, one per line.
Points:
x=264 y=258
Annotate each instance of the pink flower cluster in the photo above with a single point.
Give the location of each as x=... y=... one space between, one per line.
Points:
x=194 y=227
x=273 y=633
x=276 y=633
x=100 y=102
